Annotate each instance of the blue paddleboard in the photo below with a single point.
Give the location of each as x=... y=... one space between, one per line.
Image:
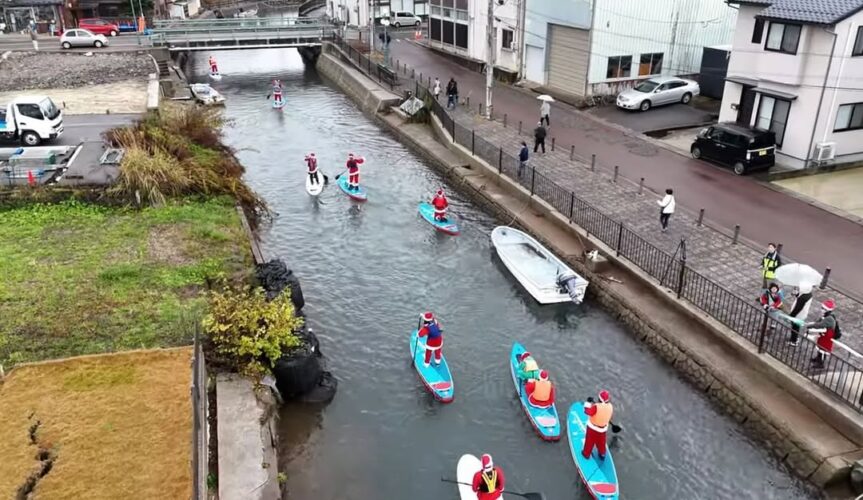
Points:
x=544 y=420
x=436 y=378
x=599 y=476
x=358 y=195
x=447 y=226
x=279 y=104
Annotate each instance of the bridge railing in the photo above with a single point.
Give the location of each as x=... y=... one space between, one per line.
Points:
x=240 y=24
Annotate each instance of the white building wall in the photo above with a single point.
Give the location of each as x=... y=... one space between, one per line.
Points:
x=506 y=17
x=678 y=29
x=350 y=12
x=538 y=15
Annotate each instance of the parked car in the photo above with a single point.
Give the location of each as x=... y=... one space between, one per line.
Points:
x=744 y=149
x=99 y=26
x=404 y=18
x=658 y=91
x=82 y=38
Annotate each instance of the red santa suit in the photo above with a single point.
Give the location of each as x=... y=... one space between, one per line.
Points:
x=488 y=483
x=540 y=393
x=213 y=67
x=440 y=204
x=312 y=163
x=353 y=165
x=434 y=338
x=597 y=425
x=277 y=91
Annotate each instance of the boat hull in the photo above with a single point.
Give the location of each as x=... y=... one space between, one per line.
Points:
x=598 y=476
x=545 y=421
x=447 y=226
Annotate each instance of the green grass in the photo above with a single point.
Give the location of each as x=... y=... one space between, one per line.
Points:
x=78 y=278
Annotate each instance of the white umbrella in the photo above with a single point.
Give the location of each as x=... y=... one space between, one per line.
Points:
x=798 y=275
x=546 y=97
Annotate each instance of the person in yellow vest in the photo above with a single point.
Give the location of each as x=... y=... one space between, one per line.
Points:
x=488 y=483
x=769 y=263
x=597 y=425
x=540 y=393
x=528 y=369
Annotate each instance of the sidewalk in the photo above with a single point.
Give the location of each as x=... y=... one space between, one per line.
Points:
x=709 y=251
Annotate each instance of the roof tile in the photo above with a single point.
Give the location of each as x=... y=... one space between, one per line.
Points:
x=811 y=11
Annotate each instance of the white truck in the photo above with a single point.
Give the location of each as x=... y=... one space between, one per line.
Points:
x=31 y=120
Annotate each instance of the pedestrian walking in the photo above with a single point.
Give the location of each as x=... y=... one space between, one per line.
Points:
x=545 y=113
x=451 y=93
x=52 y=27
x=34 y=39
x=539 y=134
x=436 y=88
x=523 y=156
x=827 y=329
x=769 y=263
x=666 y=205
x=799 y=311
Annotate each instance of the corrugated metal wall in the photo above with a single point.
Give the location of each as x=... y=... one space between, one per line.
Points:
x=568 y=54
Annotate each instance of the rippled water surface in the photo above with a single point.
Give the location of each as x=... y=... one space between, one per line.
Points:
x=369 y=270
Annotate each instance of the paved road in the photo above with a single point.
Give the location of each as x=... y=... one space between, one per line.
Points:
x=809 y=234
x=661 y=118
x=120 y=43
x=89 y=128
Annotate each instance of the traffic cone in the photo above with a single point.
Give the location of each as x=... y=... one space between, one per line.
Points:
x=30 y=179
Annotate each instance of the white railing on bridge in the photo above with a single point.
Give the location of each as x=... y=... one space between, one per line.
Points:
x=238 y=24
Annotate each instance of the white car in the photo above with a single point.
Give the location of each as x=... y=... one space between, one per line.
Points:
x=658 y=91
x=82 y=38
x=404 y=18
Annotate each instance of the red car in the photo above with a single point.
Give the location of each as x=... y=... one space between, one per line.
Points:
x=99 y=26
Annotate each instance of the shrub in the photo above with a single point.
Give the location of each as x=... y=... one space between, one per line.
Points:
x=247 y=332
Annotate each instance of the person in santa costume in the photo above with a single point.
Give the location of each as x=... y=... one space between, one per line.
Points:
x=540 y=392
x=597 y=424
x=312 y=163
x=440 y=203
x=528 y=369
x=826 y=328
x=430 y=328
x=214 y=68
x=277 y=91
x=353 y=165
x=488 y=483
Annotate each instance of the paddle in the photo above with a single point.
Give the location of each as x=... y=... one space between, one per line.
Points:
x=417 y=344
x=529 y=496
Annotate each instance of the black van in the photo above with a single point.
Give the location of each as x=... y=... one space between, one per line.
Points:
x=743 y=148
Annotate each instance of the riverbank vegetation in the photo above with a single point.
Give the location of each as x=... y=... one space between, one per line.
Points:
x=107 y=426
x=177 y=153
x=78 y=278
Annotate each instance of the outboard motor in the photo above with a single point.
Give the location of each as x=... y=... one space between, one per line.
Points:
x=569 y=284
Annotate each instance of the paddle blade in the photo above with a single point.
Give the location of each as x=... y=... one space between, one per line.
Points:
x=616 y=428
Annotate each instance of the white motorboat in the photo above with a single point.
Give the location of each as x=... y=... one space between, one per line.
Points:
x=539 y=271
x=247 y=14
x=206 y=95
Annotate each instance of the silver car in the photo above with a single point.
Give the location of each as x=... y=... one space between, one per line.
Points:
x=658 y=91
x=82 y=38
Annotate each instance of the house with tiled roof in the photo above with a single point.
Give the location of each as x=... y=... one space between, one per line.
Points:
x=796 y=68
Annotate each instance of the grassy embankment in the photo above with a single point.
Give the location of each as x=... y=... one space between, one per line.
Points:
x=99 y=427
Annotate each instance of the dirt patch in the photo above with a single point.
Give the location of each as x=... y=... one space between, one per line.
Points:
x=129 y=96
x=46 y=70
x=166 y=244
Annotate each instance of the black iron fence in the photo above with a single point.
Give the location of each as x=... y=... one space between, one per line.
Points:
x=841 y=376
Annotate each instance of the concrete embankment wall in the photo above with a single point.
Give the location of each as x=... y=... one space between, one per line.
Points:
x=815 y=435
x=366 y=93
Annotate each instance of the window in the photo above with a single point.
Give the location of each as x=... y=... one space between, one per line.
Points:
x=773 y=116
x=858 y=43
x=31 y=111
x=619 y=67
x=435 y=11
x=758 y=31
x=783 y=38
x=651 y=64
x=849 y=117
x=506 y=39
x=461 y=32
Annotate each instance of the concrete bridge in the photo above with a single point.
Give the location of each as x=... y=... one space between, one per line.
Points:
x=242 y=33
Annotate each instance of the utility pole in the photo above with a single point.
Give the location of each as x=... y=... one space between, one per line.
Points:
x=371 y=27
x=489 y=64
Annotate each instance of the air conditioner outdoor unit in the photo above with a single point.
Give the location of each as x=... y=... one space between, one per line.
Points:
x=825 y=151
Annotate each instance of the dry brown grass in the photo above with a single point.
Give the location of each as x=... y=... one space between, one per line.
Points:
x=118 y=426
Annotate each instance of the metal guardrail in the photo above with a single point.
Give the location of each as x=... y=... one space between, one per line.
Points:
x=184 y=25
x=302 y=31
x=841 y=377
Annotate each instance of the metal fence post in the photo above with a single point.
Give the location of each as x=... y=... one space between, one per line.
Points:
x=519 y=127
x=453 y=132
x=680 y=280
x=473 y=142
x=593 y=163
x=499 y=159
x=616 y=169
x=641 y=186
x=824 y=280
x=736 y=234
x=552 y=143
x=532 y=179
x=413 y=72
x=571 y=205
x=619 y=237
x=467 y=101
x=480 y=109
x=571 y=153
x=420 y=78
x=762 y=333
x=700 y=217
x=504 y=120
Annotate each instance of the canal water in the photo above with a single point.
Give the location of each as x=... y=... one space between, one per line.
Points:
x=369 y=270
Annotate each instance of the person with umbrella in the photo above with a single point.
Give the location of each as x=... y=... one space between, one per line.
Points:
x=545 y=109
x=799 y=311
